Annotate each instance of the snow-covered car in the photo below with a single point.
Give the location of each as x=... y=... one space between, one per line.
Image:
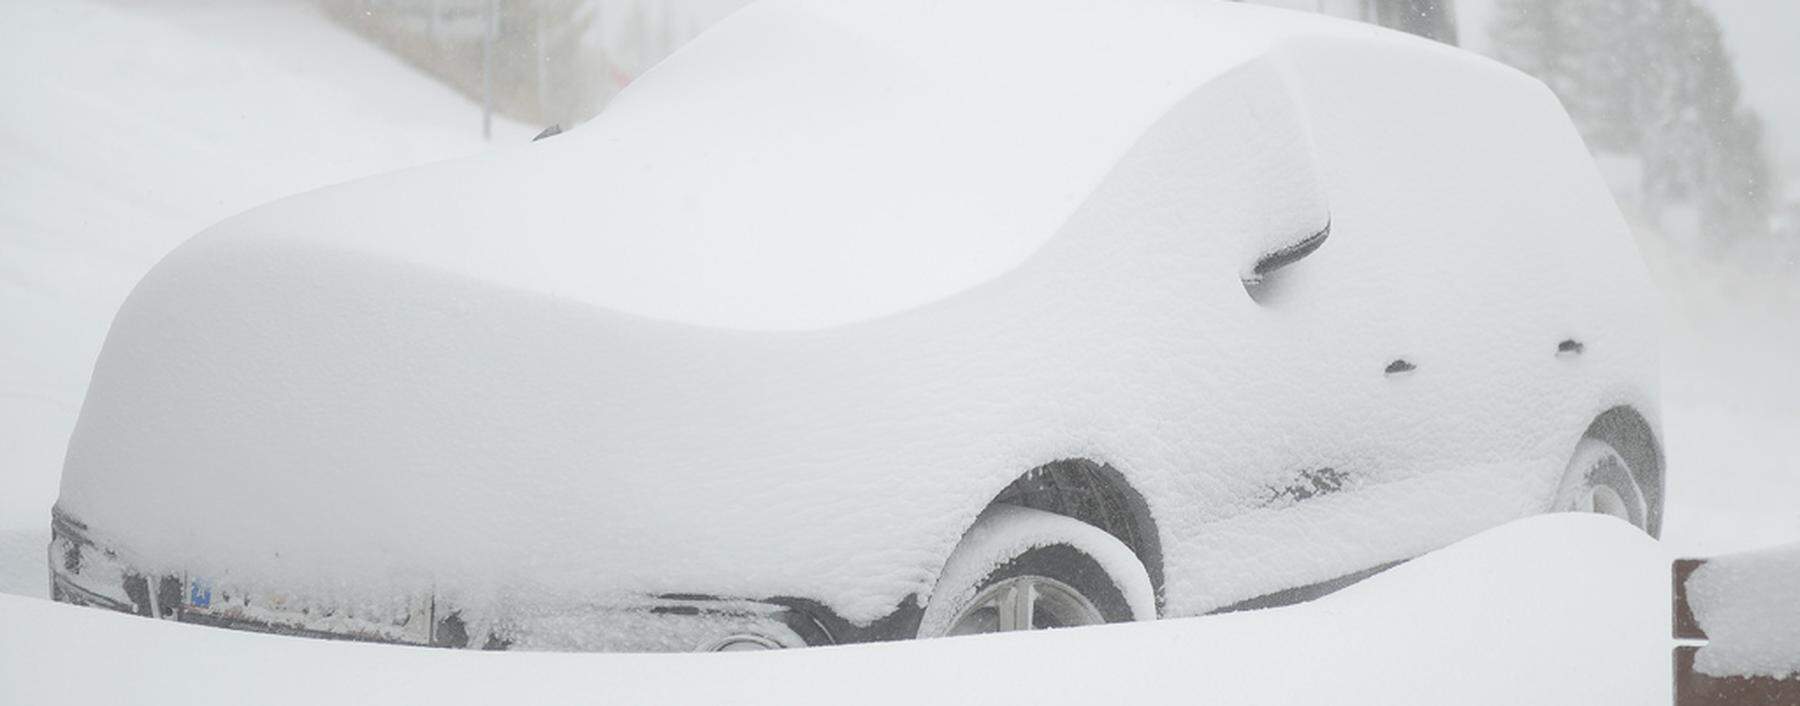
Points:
x=874 y=320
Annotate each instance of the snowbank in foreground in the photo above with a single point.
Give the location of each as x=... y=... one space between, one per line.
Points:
x=1564 y=609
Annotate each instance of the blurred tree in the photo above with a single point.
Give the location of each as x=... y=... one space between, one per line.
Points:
x=531 y=54
x=1651 y=79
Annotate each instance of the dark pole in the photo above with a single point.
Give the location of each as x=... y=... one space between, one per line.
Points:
x=1432 y=19
x=487 y=69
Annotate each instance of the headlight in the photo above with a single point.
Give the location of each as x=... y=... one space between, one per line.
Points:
x=84 y=573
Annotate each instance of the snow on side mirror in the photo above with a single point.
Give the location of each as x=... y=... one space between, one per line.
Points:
x=1284 y=256
x=1259 y=135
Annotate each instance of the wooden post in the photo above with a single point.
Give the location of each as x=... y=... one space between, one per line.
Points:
x=1694 y=688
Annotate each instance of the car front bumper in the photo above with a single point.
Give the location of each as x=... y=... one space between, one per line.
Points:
x=84 y=571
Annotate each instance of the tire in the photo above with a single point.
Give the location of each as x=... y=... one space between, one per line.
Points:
x=1599 y=480
x=1020 y=568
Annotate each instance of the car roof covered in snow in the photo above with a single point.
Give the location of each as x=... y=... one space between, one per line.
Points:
x=809 y=164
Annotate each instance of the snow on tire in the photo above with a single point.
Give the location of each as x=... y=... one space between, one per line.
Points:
x=1599 y=480
x=1020 y=568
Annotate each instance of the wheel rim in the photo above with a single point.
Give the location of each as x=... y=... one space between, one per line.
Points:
x=1025 y=603
x=1606 y=501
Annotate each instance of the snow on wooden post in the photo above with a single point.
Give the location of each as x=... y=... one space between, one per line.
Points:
x=1744 y=607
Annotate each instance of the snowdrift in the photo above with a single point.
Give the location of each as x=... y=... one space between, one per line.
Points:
x=1557 y=610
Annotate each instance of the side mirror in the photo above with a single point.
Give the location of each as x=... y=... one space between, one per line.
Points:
x=1285 y=256
x=1259 y=147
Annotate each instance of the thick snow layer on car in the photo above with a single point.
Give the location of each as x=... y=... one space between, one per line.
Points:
x=127 y=128
x=1563 y=610
x=807 y=164
x=1746 y=605
x=468 y=376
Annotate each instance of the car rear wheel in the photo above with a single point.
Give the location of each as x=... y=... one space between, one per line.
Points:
x=1020 y=568
x=1599 y=480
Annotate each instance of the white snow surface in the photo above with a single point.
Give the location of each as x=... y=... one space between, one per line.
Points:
x=389 y=383
x=1562 y=610
x=1746 y=604
x=877 y=157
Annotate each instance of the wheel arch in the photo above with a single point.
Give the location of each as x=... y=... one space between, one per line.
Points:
x=1629 y=433
x=1097 y=494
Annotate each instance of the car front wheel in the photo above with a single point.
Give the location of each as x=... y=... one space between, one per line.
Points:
x=1020 y=568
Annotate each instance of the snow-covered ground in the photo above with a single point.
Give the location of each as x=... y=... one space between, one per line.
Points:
x=1552 y=611
x=128 y=127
